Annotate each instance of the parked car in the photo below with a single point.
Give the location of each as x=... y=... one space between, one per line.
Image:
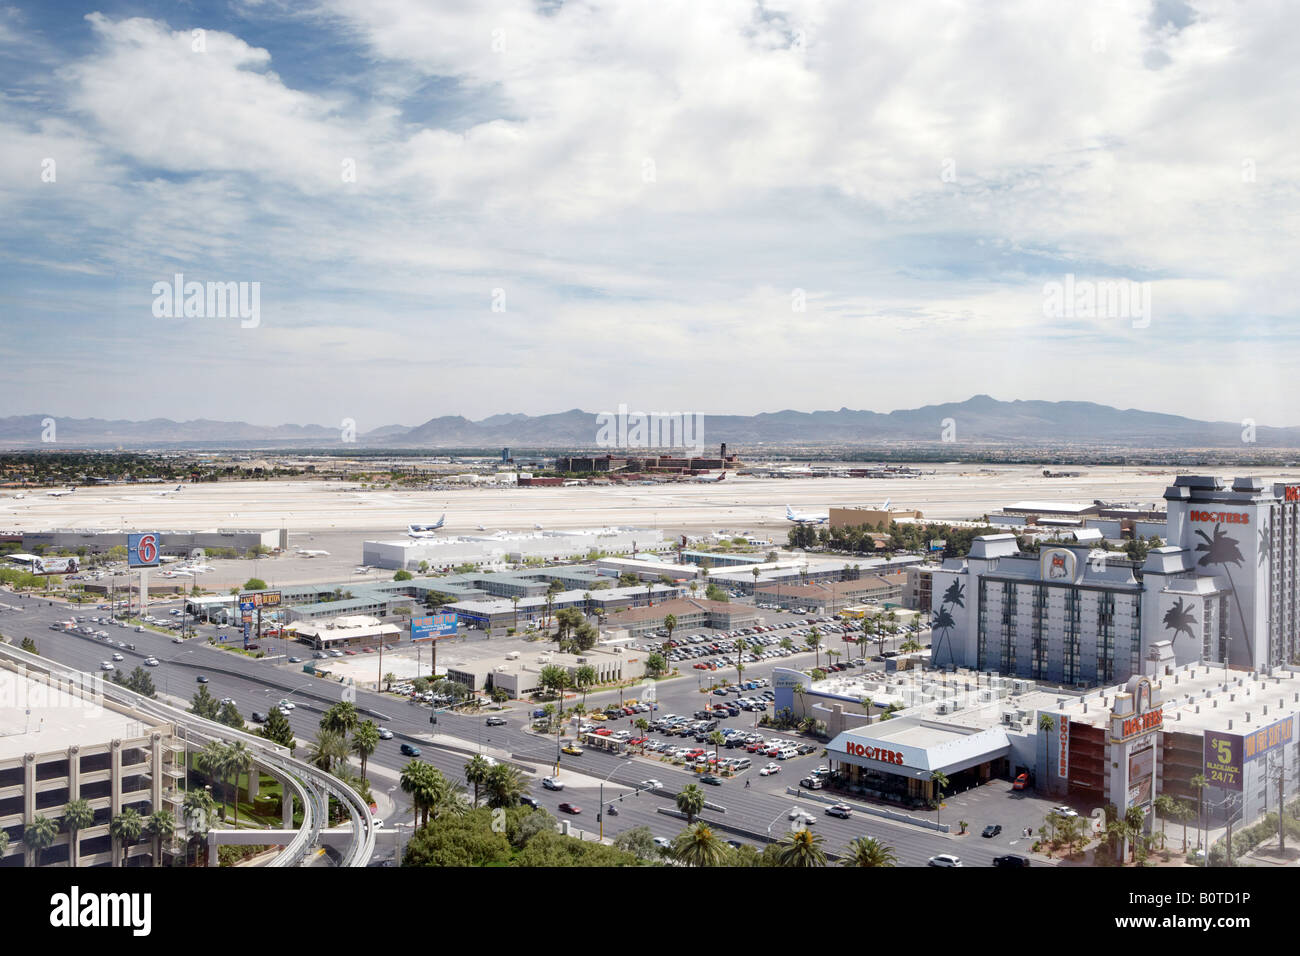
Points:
x=1065 y=811
x=944 y=859
x=1021 y=782
x=992 y=830
x=769 y=770
x=257 y=717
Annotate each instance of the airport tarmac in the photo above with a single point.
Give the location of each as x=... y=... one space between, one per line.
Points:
x=739 y=503
x=337 y=517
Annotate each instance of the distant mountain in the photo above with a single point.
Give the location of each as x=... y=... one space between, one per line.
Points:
x=978 y=420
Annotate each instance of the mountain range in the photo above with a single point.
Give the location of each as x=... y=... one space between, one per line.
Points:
x=978 y=420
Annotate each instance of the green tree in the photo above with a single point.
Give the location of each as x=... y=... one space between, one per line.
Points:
x=698 y=846
x=655 y=665
x=38 y=836
x=868 y=851
x=198 y=808
x=717 y=740
x=416 y=779
x=640 y=842
x=476 y=771
x=277 y=729
x=254 y=584
x=161 y=825
x=940 y=782
x=77 y=816
x=670 y=625
x=365 y=740
x=126 y=828
x=329 y=748
x=814 y=642
x=212 y=762
x=239 y=759
x=690 y=802
x=203 y=704
x=801 y=848
x=230 y=716
x=583 y=679
x=403 y=575
x=553 y=680
x=340 y=718
x=504 y=786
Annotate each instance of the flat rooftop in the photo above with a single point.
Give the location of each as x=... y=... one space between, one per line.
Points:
x=36 y=717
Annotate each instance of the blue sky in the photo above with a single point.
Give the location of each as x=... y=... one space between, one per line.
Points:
x=650 y=190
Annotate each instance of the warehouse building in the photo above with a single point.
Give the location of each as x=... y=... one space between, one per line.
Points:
x=504 y=546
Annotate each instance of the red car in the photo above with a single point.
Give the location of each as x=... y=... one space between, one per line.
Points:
x=1022 y=781
x=636 y=741
x=603 y=732
x=701 y=666
x=754 y=748
x=570 y=808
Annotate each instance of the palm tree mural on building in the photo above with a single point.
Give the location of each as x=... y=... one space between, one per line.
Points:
x=1180 y=620
x=1220 y=551
x=943 y=619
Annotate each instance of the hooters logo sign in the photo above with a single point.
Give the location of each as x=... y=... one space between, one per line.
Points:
x=1292 y=493
x=1220 y=517
x=873 y=753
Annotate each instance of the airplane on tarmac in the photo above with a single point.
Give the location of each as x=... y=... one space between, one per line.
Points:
x=170 y=491
x=707 y=479
x=804 y=518
x=424 y=530
x=312 y=554
x=60 y=494
x=480 y=527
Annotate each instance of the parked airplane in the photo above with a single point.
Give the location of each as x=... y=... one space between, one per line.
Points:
x=480 y=527
x=60 y=494
x=312 y=554
x=709 y=479
x=424 y=530
x=537 y=527
x=170 y=491
x=804 y=518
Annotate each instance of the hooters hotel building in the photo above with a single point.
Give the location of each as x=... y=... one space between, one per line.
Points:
x=1225 y=584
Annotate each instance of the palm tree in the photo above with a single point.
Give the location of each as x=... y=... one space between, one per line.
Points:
x=670 y=625
x=239 y=759
x=341 y=718
x=416 y=781
x=365 y=740
x=77 y=816
x=1135 y=819
x=388 y=680
x=161 y=825
x=909 y=645
x=126 y=828
x=943 y=622
x=697 y=846
x=38 y=836
x=1222 y=550
x=717 y=740
x=515 y=601
x=1184 y=812
x=328 y=747
x=4 y=843
x=690 y=802
x=476 y=772
x=1199 y=783
x=814 y=642
x=868 y=851
x=198 y=808
x=504 y=787
x=1163 y=805
x=583 y=678
x=448 y=797
x=211 y=761
x=801 y=848
x=940 y=782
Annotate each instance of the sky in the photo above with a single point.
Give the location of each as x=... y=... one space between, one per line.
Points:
x=472 y=207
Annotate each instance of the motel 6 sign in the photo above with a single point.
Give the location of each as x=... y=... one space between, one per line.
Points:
x=142 y=550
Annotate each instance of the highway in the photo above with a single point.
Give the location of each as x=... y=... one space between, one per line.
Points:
x=749 y=815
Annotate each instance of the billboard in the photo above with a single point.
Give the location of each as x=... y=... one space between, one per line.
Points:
x=433 y=626
x=1141 y=776
x=1223 y=760
x=142 y=550
x=1226 y=755
x=54 y=565
x=260 y=599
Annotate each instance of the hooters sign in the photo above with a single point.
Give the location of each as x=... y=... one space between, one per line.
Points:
x=1291 y=493
x=873 y=753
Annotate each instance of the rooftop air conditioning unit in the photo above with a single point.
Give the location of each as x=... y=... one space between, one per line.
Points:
x=942 y=708
x=1008 y=717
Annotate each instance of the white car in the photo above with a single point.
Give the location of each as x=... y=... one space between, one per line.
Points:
x=106 y=666
x=286 y=705
x=944 y=859
x=769 y=770
x=652 y=784
x=385 y=733
x=798 y=813
x=118 y=657
x=151 y=662
x=552 y=783
x=1065 y=812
